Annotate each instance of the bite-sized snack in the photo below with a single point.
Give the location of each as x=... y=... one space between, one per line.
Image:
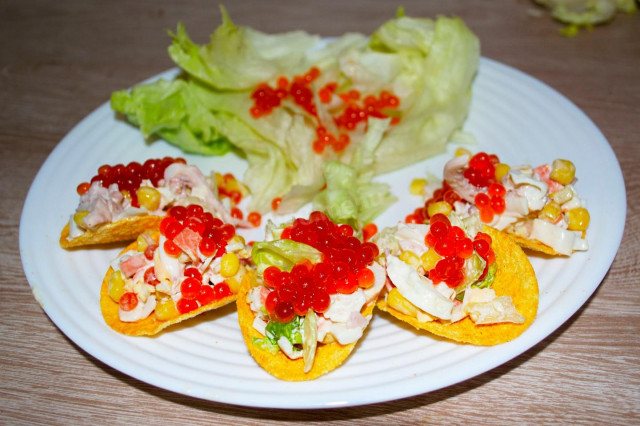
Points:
x=194 y=263
x=457 y=282
x=539 y=207
x=120 y=202
x=311 y=299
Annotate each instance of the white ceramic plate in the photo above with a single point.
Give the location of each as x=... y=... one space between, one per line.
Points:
x=512 y=114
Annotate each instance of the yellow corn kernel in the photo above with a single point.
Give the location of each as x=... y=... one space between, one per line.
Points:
x=78 y=217
x=148 y=237
x=148 y=197
x=125 y=194
x=141 y=243
x=116 y=286
x=551 y=212
x=417 y=186
x=563 y=195
x=578 y=219
x=410 y=258
x=501 y=171
x=562 y=171
x=399 y=303
x=237 y=239
x=439 y=207
x=429 y=259
x=166 y=309
x=462 y=151
x=234 y=284
x=229 y=265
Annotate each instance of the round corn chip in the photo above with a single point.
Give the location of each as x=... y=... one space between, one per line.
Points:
x=328 y=357
x=515 y=277
x=150 y=325
x=126 y=229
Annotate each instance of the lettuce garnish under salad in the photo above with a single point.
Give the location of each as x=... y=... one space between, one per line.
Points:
x=413 y=74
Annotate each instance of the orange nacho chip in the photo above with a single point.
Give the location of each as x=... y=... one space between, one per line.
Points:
x=150 y=325
x=514 y=277
x=123 y=230
x=328 y=357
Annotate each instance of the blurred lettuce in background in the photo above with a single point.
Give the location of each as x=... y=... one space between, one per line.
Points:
x=586 y=13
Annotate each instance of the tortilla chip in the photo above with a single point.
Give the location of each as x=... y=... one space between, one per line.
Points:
x=150 y=325
x=126 y=229
x=329 y=356
x=515 y=277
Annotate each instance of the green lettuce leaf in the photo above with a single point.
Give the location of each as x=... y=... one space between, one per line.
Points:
x=170 y=109
x=347 y=200
x=282 y=253
x=437 y=75
x=240 y=57
x=428 y=64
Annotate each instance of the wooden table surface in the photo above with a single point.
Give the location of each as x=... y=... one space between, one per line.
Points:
x=60 y=60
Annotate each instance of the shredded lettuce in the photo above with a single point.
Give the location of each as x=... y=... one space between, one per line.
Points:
x=310 y=343
x=486 y=282
x=292 y=331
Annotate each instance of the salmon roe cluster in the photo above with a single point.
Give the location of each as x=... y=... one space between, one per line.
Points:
x=343 y=269
x=193 y=231
x=354 y=110
x=129 y=177
x=481 y=173
x=371 y=106
x=451 y=243
x=267 y=98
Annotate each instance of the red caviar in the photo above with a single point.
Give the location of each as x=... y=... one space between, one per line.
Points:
x=128 y=301
x=369 y=230
x=190 y=229
x=254 y=219
x=454 y=246
x=275 y=203
x=350 y=114
x=129 y=177
x=480 y=172
x=343 y=269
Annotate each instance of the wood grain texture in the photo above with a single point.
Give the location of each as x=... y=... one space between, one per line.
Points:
x=60 y=60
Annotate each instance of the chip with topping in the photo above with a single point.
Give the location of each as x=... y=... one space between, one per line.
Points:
x=120 y=202
x=311 y=299
x=194 y=263
x=539 y=207
x=483 y=295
